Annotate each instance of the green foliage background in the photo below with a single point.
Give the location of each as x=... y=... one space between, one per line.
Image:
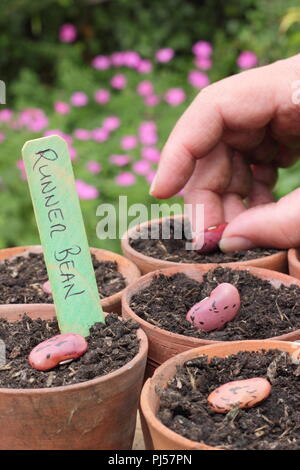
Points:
x=39 y=70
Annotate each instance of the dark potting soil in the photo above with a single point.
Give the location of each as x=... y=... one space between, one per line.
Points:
x=111 y=345
x=273 y=424
x=21 y=279
x=265 y=311
x=174 y=248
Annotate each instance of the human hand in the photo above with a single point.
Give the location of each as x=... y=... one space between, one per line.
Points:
x=225 y=150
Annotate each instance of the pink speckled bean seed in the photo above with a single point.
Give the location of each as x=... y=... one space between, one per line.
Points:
x=47 y=287
x=212 y=236
x=239 y=393
x=60 y=348
x=213 y=312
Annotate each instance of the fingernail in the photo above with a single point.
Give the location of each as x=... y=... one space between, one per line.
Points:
x=235 y=244
x=153 y=184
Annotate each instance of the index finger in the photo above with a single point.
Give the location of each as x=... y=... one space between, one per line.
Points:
x=246 y=101
x=194 y=135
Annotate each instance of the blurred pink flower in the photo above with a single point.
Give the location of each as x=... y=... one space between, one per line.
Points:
x=147 y=126
x=67 y=33
x=102 y=96
x=86 y=191
x=145 y=88
x=119 y=160
x=148 y=138
x=164 y=55
x=148 y=133
x=129 y=142
x=246 y=60
x=73 y=153
x=34 y=119
x=150 y=176
x=61 y=107
x=204 y=63
x=175 y=96
x=150 y=153
x=100 y=134
x=131 y=59
x=202 y=49
x=118 y=59
x=66 y=137
x=101 y=62
x=15 y=125
x=79 y=99
x=82 y=134
x=93 y=167
x=111 y=123
x=151 y=100
x=198 y=79
x=2 y=137
x=141 y=167
x=144 y=67
x=118 y=81
x=21 y=166
x=5 y=115
x=125 y=179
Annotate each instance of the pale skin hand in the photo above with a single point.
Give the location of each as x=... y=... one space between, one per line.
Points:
x=225 y=150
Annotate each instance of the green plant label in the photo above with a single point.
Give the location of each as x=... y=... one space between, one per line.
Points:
x=62 y=233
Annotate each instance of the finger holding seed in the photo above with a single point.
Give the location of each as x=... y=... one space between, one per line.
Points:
x=212 y=236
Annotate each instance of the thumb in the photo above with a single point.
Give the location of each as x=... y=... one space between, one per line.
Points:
x=274 y=225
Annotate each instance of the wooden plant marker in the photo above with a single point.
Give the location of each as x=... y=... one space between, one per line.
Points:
x=62 y=233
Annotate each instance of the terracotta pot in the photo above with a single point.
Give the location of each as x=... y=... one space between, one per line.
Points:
x=146 y=264
x=10 y=252
x=162 y=437
x=164 y=344
x=110 y=304
x=96 y=414
x=294 y=262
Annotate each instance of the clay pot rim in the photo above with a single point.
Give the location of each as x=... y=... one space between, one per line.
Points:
x=150 y=384
x=127 y=248
x=105 y=301
x=143 y=350
x=133 y=288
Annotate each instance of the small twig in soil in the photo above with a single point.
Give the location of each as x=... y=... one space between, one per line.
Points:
x=6 y=366
x=261 y=428
x=282 y=314
x=285 y=432
x=193 y=291
x=50 y=379
x=73 y=372
x=162 y=246
x=267 y=420
x=192 y=380
x=232 y=414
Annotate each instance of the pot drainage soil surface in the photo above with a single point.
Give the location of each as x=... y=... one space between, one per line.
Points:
x=174 y=249
x=265 y=310
x=21 y=279
x=272 y=424
x=110 y=346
